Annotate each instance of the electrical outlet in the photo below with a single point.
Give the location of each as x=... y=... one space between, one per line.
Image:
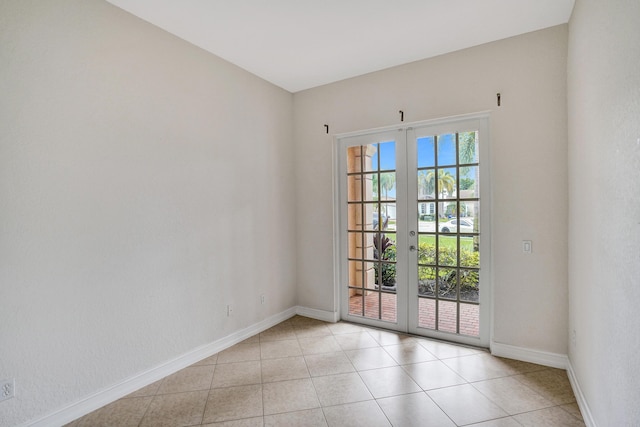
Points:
x=229 y=311
x=261 y=299
x=573 y=337
x=526 y=246
x=7 y=389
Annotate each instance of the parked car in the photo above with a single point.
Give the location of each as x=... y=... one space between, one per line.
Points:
x=385 y=221
x=451 y=226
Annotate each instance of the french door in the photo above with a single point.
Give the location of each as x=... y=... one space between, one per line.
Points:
x=413 y=234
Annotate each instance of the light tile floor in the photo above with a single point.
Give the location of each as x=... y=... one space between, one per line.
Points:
x=304 y=372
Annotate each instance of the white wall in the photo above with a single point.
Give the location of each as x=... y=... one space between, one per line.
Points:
x=528 y=163
x=144 y=185
x=604 y=207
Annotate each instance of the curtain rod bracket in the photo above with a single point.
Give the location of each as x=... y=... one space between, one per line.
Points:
x=326 y=128
x=498 y=96
x=401 y=115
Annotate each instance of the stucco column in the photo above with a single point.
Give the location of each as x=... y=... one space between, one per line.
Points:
x=360 y=217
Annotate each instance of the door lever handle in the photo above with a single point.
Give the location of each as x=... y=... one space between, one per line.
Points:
x=412 y=248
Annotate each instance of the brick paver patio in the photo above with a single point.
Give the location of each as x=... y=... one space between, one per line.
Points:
x=469 y=313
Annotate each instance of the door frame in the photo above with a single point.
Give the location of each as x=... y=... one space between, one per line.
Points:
x=486 y=275
x=398 y=134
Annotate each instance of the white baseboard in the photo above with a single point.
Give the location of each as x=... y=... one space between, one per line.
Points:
x=582 y=402
x=553 y=360
x=314 y=313
x=129 y=385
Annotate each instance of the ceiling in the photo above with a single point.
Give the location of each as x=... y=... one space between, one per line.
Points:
x=300 y=44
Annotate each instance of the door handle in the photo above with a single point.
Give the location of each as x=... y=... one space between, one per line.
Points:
x=412 y=248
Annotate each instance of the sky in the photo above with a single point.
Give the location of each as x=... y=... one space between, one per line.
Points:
x=426 y=152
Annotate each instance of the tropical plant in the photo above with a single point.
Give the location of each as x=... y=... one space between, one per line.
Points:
x=381 y=244
x=387 y=182
x=467 y=143
x=446 y=183
x=467 y=183
x=426 y=184
x=384 y=250
x=374 y=185
x=443 y=182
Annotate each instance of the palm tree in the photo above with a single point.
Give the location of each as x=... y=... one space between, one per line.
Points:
x=467 y=141
x=387 y=183
x=445 y=184
x=426 y=185
x=467 y=151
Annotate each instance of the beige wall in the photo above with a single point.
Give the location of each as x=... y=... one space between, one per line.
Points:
x=528 y=164
x=604 y=208
x=144 y=185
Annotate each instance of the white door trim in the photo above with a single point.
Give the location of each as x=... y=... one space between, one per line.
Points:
x=339 y=244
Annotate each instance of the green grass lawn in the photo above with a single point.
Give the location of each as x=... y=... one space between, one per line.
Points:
x=445 y=241
x=448 y=241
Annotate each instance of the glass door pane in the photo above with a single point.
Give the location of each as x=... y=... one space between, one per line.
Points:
x=372 y=238
x=411 y=229
x=445 y=270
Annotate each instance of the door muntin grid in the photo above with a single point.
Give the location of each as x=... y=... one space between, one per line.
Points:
x=371 y=230
x=417 y=311
x=448 y=206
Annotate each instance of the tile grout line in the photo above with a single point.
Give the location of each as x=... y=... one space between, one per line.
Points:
x=515 y=370
x=155 y=395
x=261 y=379
x=324 y=416
x=206 y=402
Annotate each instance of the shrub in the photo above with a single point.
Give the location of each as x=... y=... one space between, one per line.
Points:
x=447 y=258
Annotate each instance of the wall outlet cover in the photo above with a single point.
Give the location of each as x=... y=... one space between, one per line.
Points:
x=7 y=389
